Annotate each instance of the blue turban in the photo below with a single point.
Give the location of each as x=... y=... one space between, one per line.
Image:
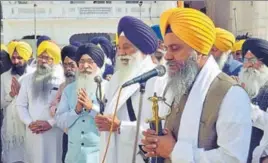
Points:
x=5 y=62
x=105 y=44
x=68 y=51
x=138 y=33
x=76 y=43
x=41 y=39
x=258 y=47
x=157 y=31
x=93 y=51
x=109 y=70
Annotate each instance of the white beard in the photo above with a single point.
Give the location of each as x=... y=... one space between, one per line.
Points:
x=253 y=79
x=181 y=82
x=42 y=81
x=86 y=81
x=222 y=59
x=125 y=70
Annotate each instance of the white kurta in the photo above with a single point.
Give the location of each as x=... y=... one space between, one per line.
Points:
x=233 y=126
x=45 y=147
x=260 y=120
x=12 y=150
x=121 y=145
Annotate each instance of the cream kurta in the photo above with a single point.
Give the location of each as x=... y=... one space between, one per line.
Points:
x=121 y=145
x=12 y=150
x=45 y=147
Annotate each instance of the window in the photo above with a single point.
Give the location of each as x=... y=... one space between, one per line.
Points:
x=77 y=2
x=102 y=2
x=131 y=2
x=22 y=2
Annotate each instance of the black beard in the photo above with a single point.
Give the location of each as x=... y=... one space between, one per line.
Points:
x=18 y=70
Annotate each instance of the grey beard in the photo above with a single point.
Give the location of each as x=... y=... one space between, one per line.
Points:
x=70 y=77
x=42 y=82
x=221 y=61
x=181 y=82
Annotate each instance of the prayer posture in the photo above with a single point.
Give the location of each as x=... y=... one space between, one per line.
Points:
x=13 y=129
x=135 y=41
x=43 y=138
x=70 y=67
x=221 y=52
x=207 y=124
x=78 y=107
x=254 y=78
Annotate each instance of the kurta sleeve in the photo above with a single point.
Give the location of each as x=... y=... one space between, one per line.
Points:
x=65 y=116
x=233 y=129
x=259 y=117
x=22 y=103
x=6 y=99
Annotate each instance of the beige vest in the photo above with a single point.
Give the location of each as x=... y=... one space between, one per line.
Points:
x=207 y=137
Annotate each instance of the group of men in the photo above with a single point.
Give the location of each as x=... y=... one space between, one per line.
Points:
x=215 y=102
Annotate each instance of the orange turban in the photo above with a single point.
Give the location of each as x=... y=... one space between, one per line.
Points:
x=192 y=26
x=24 y=49
x=224 y=40
x=52 y=49
x=238 y=45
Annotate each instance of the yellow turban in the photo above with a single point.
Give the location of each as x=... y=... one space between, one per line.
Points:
x=24 y=49
x=116 y=39
x=3 y=47
x=238 y=45
x=192 y=26
x=224 y=40
x=52 y=49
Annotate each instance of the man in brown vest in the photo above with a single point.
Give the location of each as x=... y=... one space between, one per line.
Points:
x=207 y=123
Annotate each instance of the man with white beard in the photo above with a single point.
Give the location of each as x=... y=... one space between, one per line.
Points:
x=135 y=41
x=78 y=107
x=70 y=67
x=207 y=123
x=254 y=78
x=43 y=139
x=221 y=51
x=13 y=129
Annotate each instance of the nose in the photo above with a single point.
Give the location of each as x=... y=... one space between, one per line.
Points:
x=247 y=64
x=168 y=56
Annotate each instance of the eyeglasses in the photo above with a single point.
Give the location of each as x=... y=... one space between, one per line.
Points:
x=46 y=58
x=252 y=60
x=86 y=61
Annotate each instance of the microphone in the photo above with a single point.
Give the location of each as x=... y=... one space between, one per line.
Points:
x=160 y=70
x=97 y=79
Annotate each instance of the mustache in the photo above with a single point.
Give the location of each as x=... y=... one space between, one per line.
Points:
x=125 y=57
x=69 y=74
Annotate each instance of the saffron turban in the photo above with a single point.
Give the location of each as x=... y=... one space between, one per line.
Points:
x=3 y=47
x=258 y=47
x=138 y=33
x=52 y=50
x=191 y=26
x=93 y=51
x=23 y=49
x=224 y=40
x=238 y=45
x=157 y=31
x=68 y=51
x=104 y=44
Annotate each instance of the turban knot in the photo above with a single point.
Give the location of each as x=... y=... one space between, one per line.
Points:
x=224 y=40
x=23 y=49
x=192 y=26
x=52 y=49
x=138 y=33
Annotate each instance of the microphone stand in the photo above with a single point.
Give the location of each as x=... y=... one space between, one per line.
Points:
x=99 y=98
x=142 y=91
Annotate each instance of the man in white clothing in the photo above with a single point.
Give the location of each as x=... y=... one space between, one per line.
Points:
x=136 y=39
x=254 y=78
x=207 y=124
x=43 y=139
x=13 y=129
